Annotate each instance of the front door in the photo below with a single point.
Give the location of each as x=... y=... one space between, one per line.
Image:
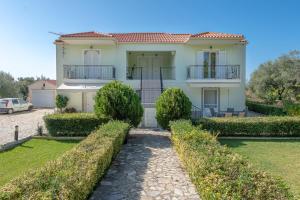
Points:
x=89 y=101
x=151 y=66
x=91 y=62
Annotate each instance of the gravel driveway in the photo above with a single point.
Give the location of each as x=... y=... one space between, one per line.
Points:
x=27 y=122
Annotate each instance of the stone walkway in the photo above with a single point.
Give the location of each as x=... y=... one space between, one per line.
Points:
x=146 y=168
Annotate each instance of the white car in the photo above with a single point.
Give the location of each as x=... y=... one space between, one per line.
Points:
x=10 y=105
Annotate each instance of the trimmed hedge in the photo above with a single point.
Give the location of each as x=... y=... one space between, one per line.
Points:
x=219 y=173
x=265 y=108
x=253 y=126
x=72 y=124
x=74 y=174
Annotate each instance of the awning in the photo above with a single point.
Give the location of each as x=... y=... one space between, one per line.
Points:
x=80 y=87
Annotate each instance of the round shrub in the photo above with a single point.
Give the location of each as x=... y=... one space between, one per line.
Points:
x=120 y=102
x=171 y=105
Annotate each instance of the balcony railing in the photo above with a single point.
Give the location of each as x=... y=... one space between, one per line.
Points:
x=135 y=73
x=100 y=72
x=213 y=72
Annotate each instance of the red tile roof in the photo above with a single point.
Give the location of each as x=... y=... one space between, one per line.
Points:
x=217 y=35
x=86 y=34
x=151 y=37
x=154 y=37
x=53 y=82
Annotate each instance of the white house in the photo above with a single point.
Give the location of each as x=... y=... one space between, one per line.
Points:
x=209 y=67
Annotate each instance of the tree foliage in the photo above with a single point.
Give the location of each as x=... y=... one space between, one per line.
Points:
x=278 y=79
x=23 y=84
x=61 y=102
x=8 y=85
x=118 y=101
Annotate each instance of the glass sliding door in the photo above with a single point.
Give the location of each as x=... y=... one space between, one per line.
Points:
x=209 y=64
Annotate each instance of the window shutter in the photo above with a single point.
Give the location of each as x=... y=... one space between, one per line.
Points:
x=200 y=58
x=198 y=70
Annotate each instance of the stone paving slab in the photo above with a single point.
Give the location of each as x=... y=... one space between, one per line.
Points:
x=146 y=168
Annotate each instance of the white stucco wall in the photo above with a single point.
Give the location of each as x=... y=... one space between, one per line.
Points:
x=184 y=55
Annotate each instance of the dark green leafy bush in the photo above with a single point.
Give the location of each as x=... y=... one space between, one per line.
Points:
x=72 y=124
x=253 y=126
x=219 y=173
x=61 y=101
x=292 y=109
x=75 y=173
x=172 y=104
x=265 y=108
x=120 y=102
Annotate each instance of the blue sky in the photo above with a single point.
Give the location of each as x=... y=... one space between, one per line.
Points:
x=271 y=27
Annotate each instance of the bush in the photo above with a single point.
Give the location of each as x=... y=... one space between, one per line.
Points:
x=118 y=101
x=74 y=174
x=172 y=104
x=72 y=124
x=253 y=126
x=61 y=101
x=265 y=108
x=292 y=109
x=70 y=110
x=217 y=172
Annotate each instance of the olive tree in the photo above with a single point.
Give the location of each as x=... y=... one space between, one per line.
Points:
x=278 y=79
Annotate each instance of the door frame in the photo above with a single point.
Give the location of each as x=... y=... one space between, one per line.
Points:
x=218 y=98
x=99 y=59
x=151 y=57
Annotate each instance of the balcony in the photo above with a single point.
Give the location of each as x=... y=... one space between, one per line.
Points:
x=213 y=75
x=89 y=72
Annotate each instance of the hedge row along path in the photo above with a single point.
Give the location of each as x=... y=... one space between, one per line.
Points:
x=146 y=168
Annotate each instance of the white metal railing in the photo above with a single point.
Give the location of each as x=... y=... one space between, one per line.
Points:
x=213 y=72
x=101 y=72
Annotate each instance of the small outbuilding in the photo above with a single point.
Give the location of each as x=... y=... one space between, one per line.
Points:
x=42 y=93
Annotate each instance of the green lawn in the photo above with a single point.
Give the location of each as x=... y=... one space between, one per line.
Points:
x=30 y=155
x=279 y=157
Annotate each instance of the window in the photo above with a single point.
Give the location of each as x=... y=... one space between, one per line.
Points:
x=15 y=101
x=22 y=101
